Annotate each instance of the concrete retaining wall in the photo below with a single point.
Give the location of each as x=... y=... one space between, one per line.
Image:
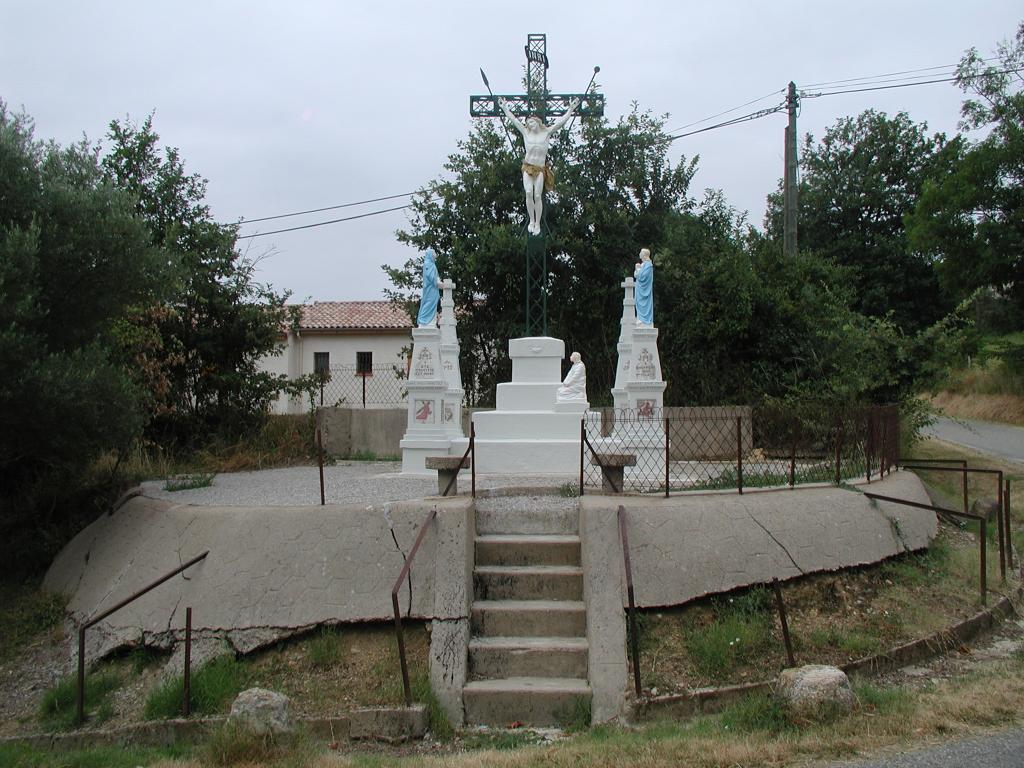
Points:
x=688 y=546
x=271 y=570
x=355 y=430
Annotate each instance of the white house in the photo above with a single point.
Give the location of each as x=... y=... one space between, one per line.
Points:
x=361 y=349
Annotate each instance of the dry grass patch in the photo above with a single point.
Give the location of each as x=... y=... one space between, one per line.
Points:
x=1004 y=409
x=335 y=669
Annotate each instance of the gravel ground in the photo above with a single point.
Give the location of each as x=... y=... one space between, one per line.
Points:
x=347 y=482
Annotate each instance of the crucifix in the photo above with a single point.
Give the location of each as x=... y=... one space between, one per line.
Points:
x=527 y=113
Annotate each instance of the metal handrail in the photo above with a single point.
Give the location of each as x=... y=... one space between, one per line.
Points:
x=399 y=635
x=472 y=464
x=1003 y=510
x=80 y=692
x=633 y=642
x=983 y=537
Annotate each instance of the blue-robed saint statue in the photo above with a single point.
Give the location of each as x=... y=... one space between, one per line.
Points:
x=430 y=295
x=644 y=276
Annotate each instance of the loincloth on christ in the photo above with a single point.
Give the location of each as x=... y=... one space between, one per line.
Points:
x=547 y=170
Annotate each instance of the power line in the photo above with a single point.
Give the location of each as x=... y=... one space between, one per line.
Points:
x=890 y=74
x=726 y=112
x=743 y=119
x=328 y=208
x=324 y=223
x=900 y=85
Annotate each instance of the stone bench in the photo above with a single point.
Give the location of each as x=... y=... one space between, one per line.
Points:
x=612 y=466
x=447 y=468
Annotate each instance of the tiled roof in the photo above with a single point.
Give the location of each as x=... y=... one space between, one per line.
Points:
x=353 y=315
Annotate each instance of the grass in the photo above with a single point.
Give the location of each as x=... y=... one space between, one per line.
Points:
x=233 y=744
x=22 y=756
x=57 y=709
x=26 y=613
x=325 y=649
x=211 y=690
x=189 y=481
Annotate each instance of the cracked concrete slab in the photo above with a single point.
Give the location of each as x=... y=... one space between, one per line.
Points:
x=271 y=571
x=692 y=545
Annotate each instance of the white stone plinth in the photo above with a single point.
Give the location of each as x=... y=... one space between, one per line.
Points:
x=426 y=433
x=529 y=433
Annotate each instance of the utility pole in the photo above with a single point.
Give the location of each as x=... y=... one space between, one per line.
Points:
x=790 y=205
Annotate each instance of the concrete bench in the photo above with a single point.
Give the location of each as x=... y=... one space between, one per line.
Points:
x=447 y=468
x=612 y=466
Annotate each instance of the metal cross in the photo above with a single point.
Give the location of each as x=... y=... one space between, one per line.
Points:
x=536 y=101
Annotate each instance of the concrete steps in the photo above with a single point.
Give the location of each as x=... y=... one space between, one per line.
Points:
x=529 y=618
x=529 y=700
x=527 y=550
x=528 y=654
x=498 y=657
x=528 y=582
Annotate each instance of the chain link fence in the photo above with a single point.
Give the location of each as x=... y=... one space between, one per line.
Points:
x=384 y=386
x=686 y=449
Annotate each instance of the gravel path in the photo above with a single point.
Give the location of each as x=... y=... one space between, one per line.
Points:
x=347 y=482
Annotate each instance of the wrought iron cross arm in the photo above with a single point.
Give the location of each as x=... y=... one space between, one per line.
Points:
x=521 y=105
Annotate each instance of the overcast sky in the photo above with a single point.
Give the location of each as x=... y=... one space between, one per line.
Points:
x=285 y=107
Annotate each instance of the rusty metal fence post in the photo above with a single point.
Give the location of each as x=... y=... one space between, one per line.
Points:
x=583 y=438
x=739 y=454
x=633 y=642
x=792 y=454
x=399 y=634
x=667 y=445
x=783 y=622
x=1009 y=519
x=839 y=448
x=186 y=704
x=320 y=463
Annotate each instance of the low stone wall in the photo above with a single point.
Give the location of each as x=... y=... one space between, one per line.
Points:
x=377 y=431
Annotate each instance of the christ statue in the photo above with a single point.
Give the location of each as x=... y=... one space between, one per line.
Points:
x=537 y=174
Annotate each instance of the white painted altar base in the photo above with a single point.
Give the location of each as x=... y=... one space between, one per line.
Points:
x=528 y=432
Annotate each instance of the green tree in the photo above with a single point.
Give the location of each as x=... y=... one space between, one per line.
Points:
x=856 y=186
x=615 y=186
x=73 y=258
x=971 y=221
x=197 y=353
x=738 y=322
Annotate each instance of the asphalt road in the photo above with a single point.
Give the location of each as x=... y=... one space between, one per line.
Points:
x=997 y=439
x=1000 y=750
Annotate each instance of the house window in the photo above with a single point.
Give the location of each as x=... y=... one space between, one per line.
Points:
x=364 y=363
x=322 y=364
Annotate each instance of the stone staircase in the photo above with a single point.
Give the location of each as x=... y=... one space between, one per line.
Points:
x=528 y=652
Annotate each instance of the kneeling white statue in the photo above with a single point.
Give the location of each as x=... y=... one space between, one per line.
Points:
x=574 y=388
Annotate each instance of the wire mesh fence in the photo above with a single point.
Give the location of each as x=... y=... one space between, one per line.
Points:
x=345 y=386
x=677 y=449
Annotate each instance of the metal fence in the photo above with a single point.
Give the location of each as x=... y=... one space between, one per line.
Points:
x=676 y=449
x=347 y=387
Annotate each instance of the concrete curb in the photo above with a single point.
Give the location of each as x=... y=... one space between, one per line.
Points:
x=709 y=700
x=388 y=724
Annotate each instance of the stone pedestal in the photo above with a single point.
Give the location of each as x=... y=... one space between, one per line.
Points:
x=529 y=433
x=451 y=409
x=425 y=433
x=638 y=394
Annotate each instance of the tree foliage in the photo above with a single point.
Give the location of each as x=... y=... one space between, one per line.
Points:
x=856 y=186
x=971 y=221
x=195 y=354
x=73 y=258
x=738 y=321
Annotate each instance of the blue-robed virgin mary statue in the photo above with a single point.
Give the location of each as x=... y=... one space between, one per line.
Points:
x=430 y=294
x=644 y=276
